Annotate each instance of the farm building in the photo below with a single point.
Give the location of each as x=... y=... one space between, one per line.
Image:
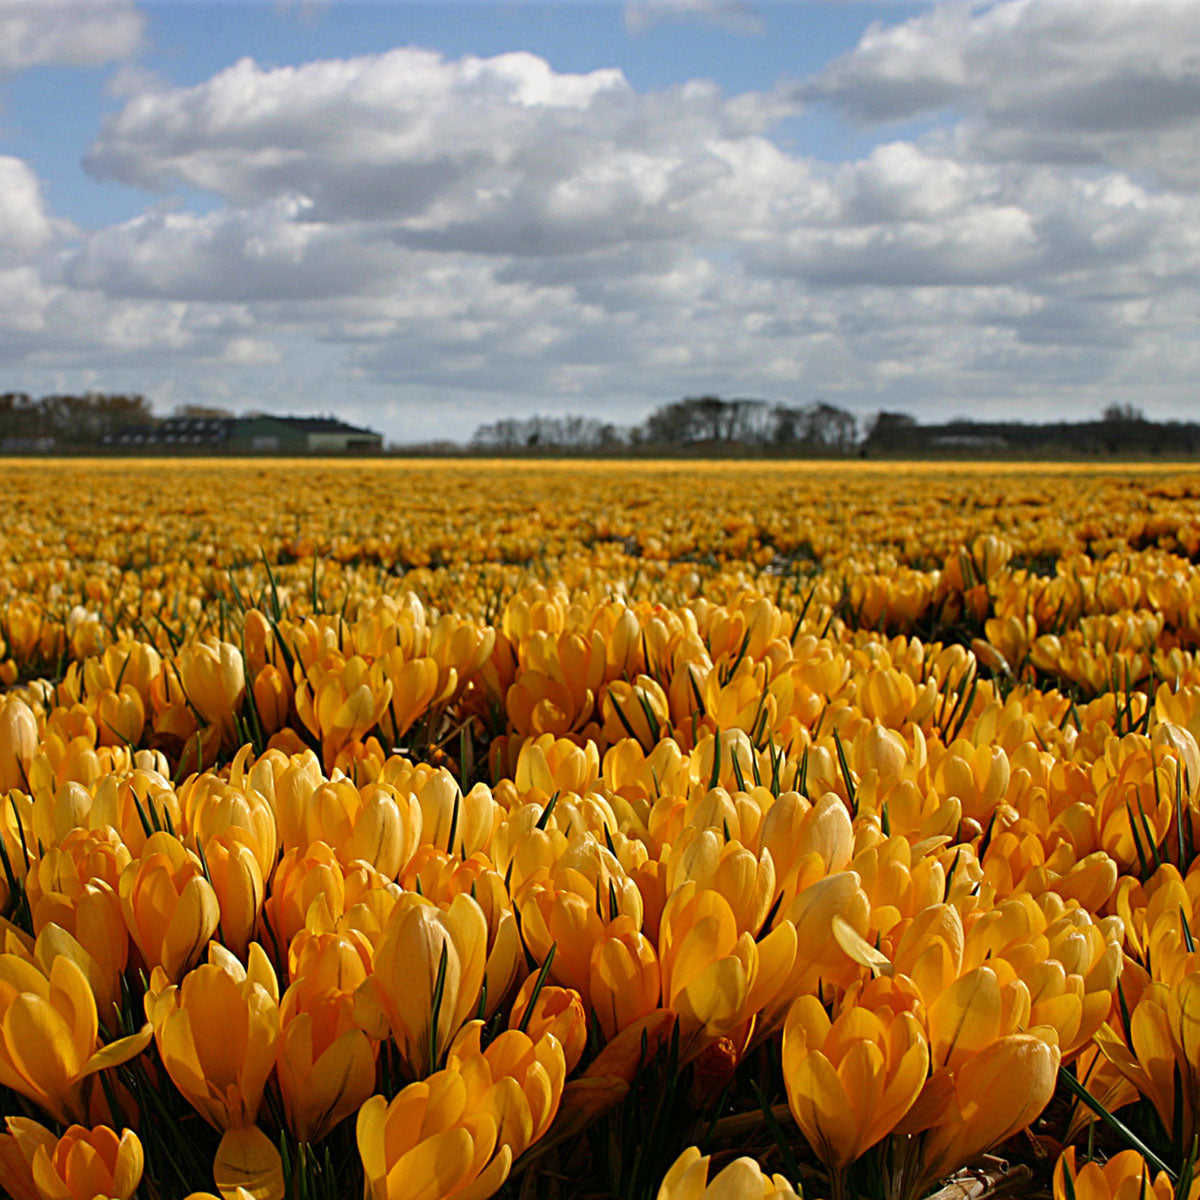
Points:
x=301 y=435
x=258 y=434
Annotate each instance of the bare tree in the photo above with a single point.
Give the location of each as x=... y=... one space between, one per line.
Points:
x=828 y=427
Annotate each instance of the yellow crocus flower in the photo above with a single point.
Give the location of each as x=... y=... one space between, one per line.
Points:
x=217 y=1033
x=742 y=1179
x=963 y=1111
x=414 y=686
x=80 y=1165
x=18 y=742
x=1165 y=1046
x=745 y=879
x=707 y=968
x=554 y=1010
x=326 y=1065
x=214 y=678
x=340 y=700
x=169 y=907
x=1126 y=1176
x=456 y=1134
x=851 y=1080
x=401 y=998
x=49 y=1047
x=624 y=979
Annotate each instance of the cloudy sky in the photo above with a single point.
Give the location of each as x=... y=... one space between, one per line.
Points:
x=423 y=216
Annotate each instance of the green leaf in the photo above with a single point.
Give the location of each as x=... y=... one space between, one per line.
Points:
x=1113 y=1122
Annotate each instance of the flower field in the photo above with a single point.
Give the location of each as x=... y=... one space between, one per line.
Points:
x=429 y=829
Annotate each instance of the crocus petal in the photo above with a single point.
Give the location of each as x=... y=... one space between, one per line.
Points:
x=247 y=1159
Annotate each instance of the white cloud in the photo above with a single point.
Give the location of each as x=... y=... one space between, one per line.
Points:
x=23 y=300
x=484 y=236
x=900 y=181
x=1053 y=81
x=66 y=32
x=24 y=225
x=381 y=133
x=233 y=255
x=252 y=352
x=908 y=216
x=499 y=155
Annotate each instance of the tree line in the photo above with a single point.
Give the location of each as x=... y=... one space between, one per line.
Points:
x=29 y=423
x=712 y=425
x=697 y=425
x=1121 y=430
x=702 y=422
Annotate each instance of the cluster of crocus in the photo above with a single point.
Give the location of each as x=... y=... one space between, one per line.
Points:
x=688 y=1180
x=35 y=1164
x=445 y=874
x=1125 y=1176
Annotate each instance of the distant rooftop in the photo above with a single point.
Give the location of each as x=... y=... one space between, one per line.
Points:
x=314 y=424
